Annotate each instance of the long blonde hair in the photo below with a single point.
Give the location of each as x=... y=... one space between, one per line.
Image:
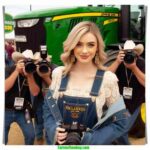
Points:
x=72 y=40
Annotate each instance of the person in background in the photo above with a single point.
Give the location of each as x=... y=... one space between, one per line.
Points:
x=83 y=104
x=9 y=48
x=19 y=85
x=38 y=101
x=130 y=70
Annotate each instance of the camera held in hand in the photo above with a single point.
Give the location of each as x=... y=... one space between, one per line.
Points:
x=74 y=133
x=44 y=65
x=129 y=56
x=30 y=67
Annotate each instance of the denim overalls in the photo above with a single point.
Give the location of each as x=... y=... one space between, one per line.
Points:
x=105 y=131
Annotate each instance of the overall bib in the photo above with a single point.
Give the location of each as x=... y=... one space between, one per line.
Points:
x=112 y=125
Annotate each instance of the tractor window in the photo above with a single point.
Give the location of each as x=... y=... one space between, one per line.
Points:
x=137 y=22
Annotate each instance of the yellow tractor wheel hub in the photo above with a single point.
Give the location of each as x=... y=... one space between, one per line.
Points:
x=143 y=113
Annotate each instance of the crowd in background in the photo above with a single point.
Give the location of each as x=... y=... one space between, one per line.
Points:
x=9 y=49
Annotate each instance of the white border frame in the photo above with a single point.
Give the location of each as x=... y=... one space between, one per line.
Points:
x=69 y=3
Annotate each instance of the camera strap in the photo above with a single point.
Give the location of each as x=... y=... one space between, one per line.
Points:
x=19 y=101
x=128 y=78
x=20 y=86
x=128 y=91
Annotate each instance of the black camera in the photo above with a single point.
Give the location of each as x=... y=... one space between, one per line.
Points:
x=129 y=56
x=74 y=133
x=74 y=121
x=43 y=64
x=30 y=67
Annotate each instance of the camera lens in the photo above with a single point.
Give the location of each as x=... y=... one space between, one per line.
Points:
x=43 y=68
x=73 y=138
x=129 y=57
x=30 y=67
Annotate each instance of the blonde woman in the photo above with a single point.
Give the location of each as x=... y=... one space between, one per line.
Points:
x=83 y=105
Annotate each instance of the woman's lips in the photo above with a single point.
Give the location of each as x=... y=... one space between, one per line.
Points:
x=84 y=56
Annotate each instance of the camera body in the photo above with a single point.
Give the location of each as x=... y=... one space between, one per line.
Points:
x=43 y=64
x=74 y=133
x=129 y=56
x=30 y=67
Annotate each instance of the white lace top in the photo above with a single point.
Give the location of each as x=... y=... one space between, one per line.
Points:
x=109 y=91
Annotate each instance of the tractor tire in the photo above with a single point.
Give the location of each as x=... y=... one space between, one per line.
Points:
x=138 y=129
x=111 y=57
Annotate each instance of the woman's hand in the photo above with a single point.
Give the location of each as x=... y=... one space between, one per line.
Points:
x=61 y=135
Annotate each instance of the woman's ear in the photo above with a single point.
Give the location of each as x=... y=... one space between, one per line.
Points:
x=72 y=58
x=72 y=52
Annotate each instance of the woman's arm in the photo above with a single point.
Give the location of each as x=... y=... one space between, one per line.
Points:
x=112 y=87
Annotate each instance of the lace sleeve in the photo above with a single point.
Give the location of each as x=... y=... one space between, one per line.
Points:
x=56 y=79
x=111 y=88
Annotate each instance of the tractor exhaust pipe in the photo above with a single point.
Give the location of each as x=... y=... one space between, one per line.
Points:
x=125 y=22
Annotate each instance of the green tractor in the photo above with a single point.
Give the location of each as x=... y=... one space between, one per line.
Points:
x=50 y=27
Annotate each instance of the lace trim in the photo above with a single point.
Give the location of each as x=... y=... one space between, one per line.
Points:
x=109 y=92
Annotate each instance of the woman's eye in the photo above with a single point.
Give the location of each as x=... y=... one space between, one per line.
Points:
x=79 y=45
x=91 y=45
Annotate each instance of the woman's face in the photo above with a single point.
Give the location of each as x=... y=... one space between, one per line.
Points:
x=86 y=48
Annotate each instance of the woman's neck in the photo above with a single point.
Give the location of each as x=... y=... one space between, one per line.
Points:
x=82 y=75
x=84 y=67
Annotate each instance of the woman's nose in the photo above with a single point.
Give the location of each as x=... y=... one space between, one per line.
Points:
x=84 y=50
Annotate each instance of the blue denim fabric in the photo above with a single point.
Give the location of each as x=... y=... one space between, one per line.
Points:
x=91 y=117
x=39 y=122
x=112 y=128
x=9 y=62
x=50 y=123
x=123 y=140
x=47 y=139
x=19 y=117
x=109 y=131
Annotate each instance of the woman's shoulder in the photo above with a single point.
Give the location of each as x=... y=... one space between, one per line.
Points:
x=110 y=76
x=56 y=77
x=57 y=71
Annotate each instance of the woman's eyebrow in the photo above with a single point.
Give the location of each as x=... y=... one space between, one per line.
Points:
x=87 y=42
x=91 y=42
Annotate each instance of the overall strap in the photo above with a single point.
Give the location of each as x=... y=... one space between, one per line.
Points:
x=64 y=81
x=97 y=83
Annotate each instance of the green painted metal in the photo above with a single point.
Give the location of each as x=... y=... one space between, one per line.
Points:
x=8 y=23
x=57 y=31
x=63 y=11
